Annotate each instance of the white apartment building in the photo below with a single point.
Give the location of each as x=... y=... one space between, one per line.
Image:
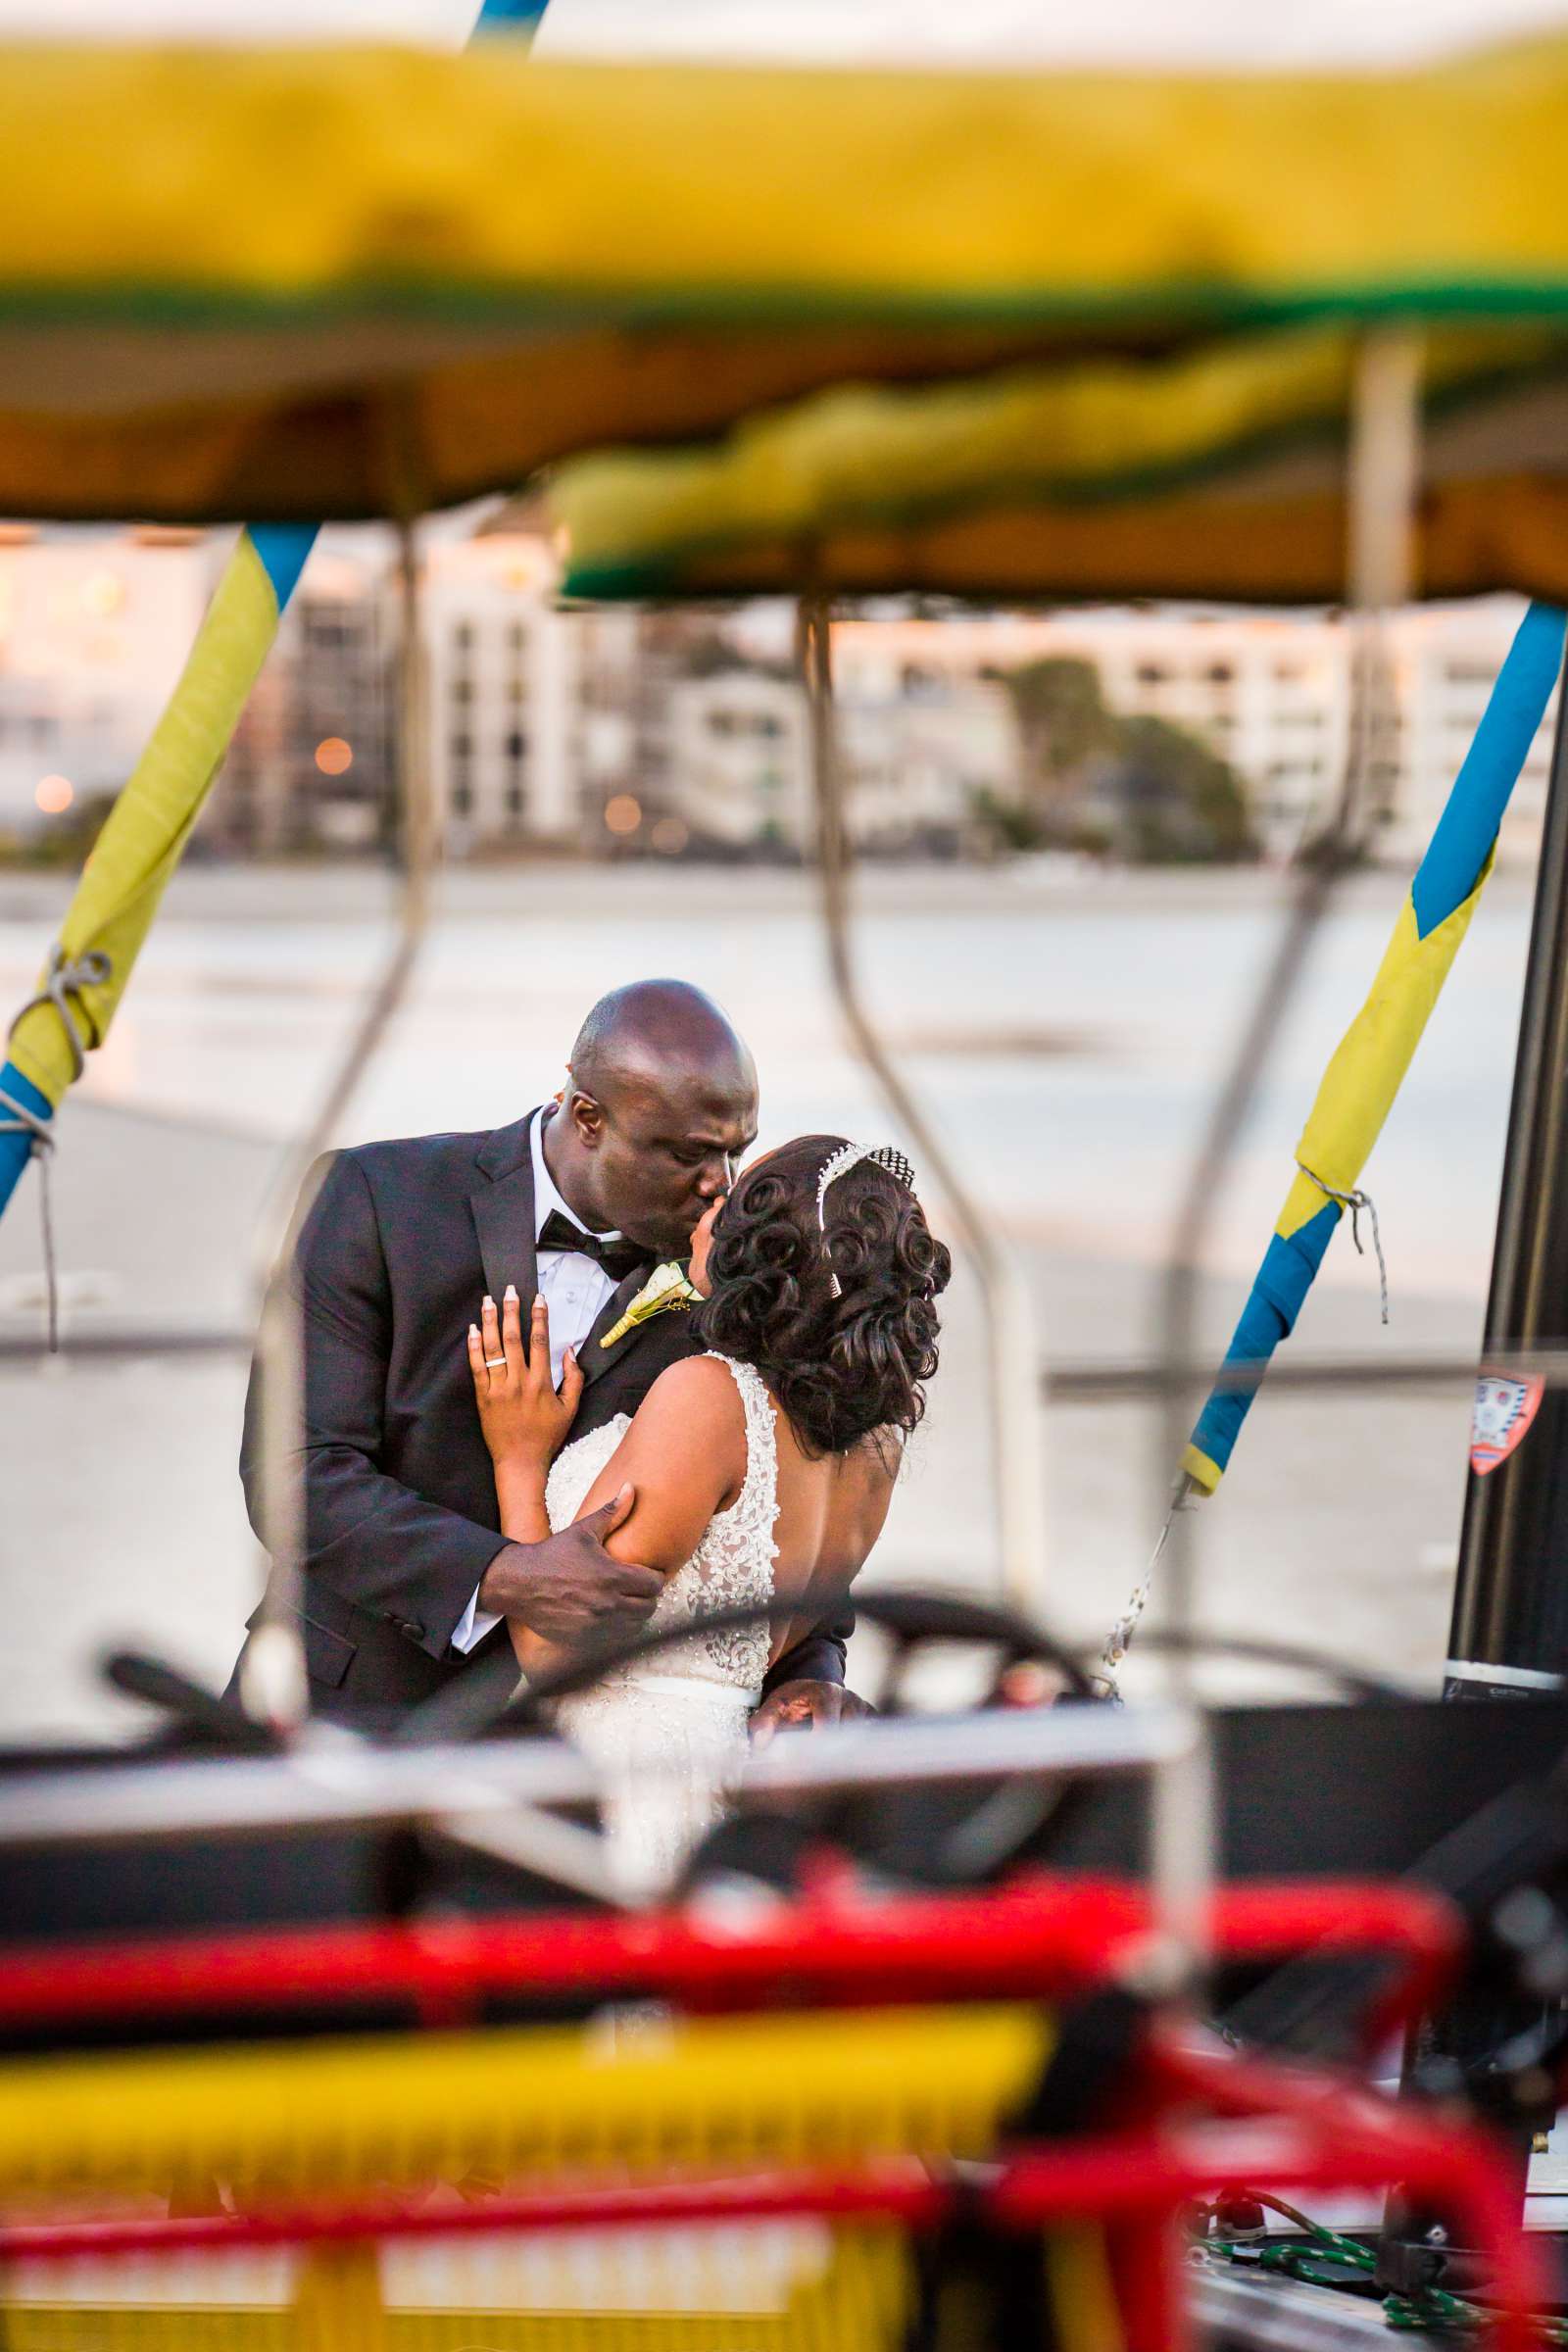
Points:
x=1269 y=692
x=94 y=632
x=739 y=773
x=530 y=728
x=312 y=761
x=1446 y=662
x=1273 y=695
x=913 y=762
x=916 y=765
x=1270 y=695
x=586 y=729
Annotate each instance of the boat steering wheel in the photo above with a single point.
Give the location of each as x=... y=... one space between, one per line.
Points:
x=949 y=1836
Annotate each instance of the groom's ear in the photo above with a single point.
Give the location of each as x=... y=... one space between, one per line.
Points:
x=587 y=1118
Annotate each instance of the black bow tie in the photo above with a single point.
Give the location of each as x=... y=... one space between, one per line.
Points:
x=618 y=1258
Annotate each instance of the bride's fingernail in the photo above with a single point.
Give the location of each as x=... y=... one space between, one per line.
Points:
x=511 y=1290
x=474 y=1331
x=489 y=1302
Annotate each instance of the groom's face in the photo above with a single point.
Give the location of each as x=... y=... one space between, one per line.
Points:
x=665 y=1150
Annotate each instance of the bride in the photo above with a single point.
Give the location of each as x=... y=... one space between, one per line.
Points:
x=763 y=1469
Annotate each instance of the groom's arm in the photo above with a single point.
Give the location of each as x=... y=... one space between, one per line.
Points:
x=372 y=1539
x=805 y=1688
x=818 y=1657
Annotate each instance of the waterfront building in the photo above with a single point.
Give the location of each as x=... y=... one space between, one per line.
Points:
x=922 y=752
x=310 y=767
x=739 y=773
x=94 y=629
x=917 y=762
x=625 y=732
x=1447 y=658
x=1270 y=693
x=532 y=708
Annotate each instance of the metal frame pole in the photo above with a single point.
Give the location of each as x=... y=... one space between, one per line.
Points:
x=1509 y=1632
x=273 y=1688
x=1012 y=1343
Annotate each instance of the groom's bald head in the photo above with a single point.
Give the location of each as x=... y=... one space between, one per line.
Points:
x=660 y=1032
x=661 y=1106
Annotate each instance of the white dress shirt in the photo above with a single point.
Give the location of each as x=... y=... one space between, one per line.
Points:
x=574 y=1289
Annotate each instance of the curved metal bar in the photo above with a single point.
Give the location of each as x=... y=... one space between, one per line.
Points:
x=1012 y=1346
x=1383 y=458
x=1097 y=1380
x=273 y=1688
x=319 y=1782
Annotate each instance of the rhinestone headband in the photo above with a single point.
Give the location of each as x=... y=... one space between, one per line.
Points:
x=886 y=1155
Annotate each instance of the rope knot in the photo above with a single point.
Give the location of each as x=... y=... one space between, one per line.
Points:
x=64 y=980
x=1356 y=1203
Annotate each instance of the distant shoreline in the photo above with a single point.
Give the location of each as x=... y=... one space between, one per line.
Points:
x=327 y=893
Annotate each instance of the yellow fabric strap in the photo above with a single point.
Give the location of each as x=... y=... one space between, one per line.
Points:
x=1368 y=1067
x=141 y=842
x=1203 y=1473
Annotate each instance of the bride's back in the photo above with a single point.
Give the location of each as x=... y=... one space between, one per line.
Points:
x=821 y=1276
x=831 y=1508
x=818 y=1284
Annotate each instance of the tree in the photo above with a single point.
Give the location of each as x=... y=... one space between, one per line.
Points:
x=711 y=655
x=1176 y=800
x=1064 y=728
x=1140 y=788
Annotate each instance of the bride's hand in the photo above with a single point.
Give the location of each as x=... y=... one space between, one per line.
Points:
x=522 y=1417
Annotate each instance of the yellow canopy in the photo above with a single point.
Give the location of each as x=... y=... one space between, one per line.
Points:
x=329 y=282
x=1216 y=472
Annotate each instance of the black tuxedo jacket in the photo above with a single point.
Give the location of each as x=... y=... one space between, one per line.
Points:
x=401 y=1243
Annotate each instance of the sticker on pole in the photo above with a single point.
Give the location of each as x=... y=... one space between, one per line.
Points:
x=1504 y=1411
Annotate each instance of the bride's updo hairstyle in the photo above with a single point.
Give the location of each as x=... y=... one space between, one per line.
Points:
x=840 y=1366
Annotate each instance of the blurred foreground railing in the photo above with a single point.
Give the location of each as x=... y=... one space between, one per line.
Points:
x=1110 y=1380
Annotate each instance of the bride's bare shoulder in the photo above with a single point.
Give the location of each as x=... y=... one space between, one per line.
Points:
x=692 y=1414
x=696 y=1395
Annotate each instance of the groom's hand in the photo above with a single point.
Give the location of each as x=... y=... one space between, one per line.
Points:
x=568 y=1588
x=804 y=1707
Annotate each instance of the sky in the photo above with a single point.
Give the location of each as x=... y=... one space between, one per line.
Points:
x=1304 y=32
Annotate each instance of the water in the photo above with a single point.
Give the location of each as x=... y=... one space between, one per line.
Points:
x=1070 y=1037
x=1069 y=1033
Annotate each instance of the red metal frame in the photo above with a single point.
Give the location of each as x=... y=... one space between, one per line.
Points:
x=1276 y=2127
x=1041 y=1937
x=1207 y=2118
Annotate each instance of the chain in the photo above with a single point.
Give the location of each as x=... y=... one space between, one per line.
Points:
x=1119 y=1639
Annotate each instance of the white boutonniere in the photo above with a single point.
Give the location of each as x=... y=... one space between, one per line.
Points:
x=665 y=1288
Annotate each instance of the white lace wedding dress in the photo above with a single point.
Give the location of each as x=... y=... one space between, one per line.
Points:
x=669 y=1735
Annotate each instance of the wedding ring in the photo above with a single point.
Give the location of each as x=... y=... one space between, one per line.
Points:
x=495 y=1363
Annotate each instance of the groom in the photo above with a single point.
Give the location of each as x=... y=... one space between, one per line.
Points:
x=407 y=1577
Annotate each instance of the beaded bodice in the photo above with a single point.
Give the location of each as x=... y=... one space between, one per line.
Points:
x=733 y=1563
